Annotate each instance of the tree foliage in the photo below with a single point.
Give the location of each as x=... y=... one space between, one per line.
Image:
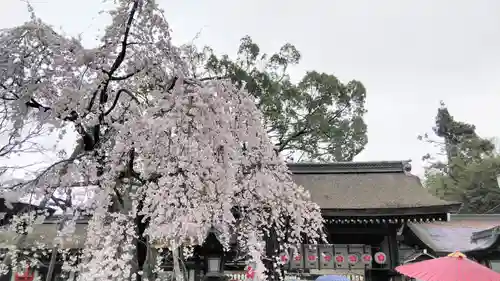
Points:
x=317 y=119
x=469 y=172
x=165 y=157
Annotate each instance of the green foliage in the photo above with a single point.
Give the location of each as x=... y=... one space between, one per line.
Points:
x=469 y=174
x=475 y=185
x=319 y=118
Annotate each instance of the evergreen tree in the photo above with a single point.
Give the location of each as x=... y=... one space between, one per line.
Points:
x=469 y=171
x=317 y=119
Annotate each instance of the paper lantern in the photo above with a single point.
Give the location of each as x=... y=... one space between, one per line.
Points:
x=380 y=258
x=311 y=257
x=339 y=259
x=250 y=273
x=353 y=259
x=284 y=258
x=327 y=258
x=27 y=275
x=366 y=258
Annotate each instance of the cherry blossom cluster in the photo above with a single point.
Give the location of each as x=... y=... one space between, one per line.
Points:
x=171 y=157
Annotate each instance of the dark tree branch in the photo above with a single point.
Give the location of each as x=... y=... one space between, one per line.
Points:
x=214 y=78
x=94 y=95
x=33 y=103
x=60 y=202
x=172 y=85
x=282 y=145
x=115 y=102
x=124 y=77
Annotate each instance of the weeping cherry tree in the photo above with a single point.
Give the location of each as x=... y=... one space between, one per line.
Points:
x=168 y=157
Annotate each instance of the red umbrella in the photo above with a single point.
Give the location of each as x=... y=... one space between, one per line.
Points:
x=454 y=267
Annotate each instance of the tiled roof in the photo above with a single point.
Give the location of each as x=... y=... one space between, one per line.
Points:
x=46 y=234
x=364 y=185
x=456 y=235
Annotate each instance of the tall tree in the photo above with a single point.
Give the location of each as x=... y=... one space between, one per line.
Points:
x=469 y=172
x=169 y=157
x=317 y=119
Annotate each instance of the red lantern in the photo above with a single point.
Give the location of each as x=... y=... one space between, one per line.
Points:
x=380 y=258
x=327 y=258
x=366 y=258
x=26 y=276
x=339 y=258
x=311 y=257
x=250 y=272
x=284 y=258
x=353 y=259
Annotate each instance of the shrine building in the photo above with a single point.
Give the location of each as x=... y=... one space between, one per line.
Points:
x=475 y=235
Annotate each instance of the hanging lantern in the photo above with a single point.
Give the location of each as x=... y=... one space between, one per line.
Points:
x=284 y=258
x=366 y=258
x=214 y=265
x=327 y=257
x=380 y=258
x=339 y=259
x=311 y=258
x=27 y=275
x=297 y=257
x=250 y=272
x=353 y=259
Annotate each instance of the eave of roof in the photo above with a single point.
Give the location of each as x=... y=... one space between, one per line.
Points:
x=417 y=256
x=348 y=167
x=490 y=233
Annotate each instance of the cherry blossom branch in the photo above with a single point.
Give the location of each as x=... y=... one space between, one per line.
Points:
x=103 y=95
x=117 y=97
x=121 y=56
x=50 y=194
x=124 y=77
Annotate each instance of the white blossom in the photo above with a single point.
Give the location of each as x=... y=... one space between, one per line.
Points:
x=170 y=157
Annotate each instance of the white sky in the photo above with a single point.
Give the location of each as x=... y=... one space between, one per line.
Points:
x=409 y=54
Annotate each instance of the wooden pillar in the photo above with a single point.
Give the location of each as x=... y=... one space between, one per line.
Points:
x=393 y=246
x=394 y=250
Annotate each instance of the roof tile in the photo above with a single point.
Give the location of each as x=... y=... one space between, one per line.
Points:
x=454 y=235
x=367 y=190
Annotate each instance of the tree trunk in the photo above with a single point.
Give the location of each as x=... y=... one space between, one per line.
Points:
x=273 y=274
x=52 y=264
x=141 y=243
x=53 y=256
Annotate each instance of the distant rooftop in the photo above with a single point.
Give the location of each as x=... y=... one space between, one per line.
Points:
x=464 y=233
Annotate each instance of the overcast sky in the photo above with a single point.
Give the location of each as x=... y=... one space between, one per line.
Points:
x=409 y=54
